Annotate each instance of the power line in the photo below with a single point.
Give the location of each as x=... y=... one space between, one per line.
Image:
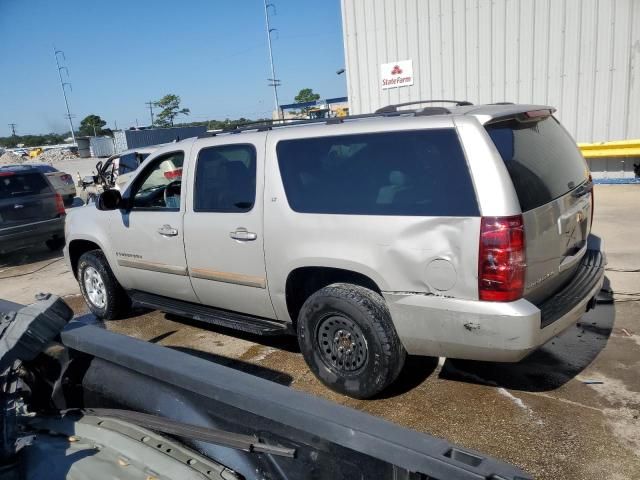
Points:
x=273 y=81
x=63 y=85
x=150 y=104
x=13 y=129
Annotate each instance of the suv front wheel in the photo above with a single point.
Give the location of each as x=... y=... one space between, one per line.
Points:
x=101 y=291
x=348 y=340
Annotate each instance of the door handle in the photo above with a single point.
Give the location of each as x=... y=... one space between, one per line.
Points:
x=243 y=235
x=168 y=231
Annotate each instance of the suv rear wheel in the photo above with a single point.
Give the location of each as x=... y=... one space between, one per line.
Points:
x=101 y=291
x=348 y=340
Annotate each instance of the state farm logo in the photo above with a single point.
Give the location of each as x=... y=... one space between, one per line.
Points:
x=396 y=74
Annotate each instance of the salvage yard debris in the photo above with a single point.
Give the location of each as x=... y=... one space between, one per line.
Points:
x=48 y=156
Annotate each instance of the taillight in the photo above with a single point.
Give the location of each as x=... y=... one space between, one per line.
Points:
x=173 y=174
x=502 y=262
x=60 y=205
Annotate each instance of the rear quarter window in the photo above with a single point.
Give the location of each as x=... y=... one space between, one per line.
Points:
x=406 y=173
x=542 y=159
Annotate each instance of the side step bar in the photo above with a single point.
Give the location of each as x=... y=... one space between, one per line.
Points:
x=214 y=316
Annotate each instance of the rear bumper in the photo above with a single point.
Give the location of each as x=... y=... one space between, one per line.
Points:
x=493 y=331
x=30 y=234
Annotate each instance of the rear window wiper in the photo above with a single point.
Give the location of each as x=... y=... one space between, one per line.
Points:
x=247 y=443
x=583 y=189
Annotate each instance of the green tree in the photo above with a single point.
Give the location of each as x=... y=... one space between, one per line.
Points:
x=306 y=95
x=170 y=105
x=92 y=125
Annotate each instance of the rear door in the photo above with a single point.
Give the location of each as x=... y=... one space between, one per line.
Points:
x=224 y=239
x=551 y=180
x=25 y=197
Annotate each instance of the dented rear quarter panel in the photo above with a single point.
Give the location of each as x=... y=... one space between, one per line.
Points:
x=394 y=251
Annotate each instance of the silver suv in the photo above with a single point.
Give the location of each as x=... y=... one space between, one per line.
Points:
x=460 y=232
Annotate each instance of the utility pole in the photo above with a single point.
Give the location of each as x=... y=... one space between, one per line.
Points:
x=64 y=90
x=13 y=129
x=273 y=81
x=150 y=103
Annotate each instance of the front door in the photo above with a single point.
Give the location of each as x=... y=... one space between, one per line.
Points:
x=223 y=228
x=148 y=237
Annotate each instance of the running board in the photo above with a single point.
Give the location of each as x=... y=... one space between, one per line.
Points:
x=214 y=316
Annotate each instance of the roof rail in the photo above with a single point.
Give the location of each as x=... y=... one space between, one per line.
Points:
x=264 y=125
x=394 y=107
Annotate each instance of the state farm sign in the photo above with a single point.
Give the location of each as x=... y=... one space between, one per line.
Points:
x=396 y=74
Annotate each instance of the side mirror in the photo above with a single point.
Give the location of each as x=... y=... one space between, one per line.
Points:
x=109 y=200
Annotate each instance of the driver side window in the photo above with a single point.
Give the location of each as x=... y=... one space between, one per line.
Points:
x=159 y=187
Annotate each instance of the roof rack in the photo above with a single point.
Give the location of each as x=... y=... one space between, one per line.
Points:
x=264 y=125
x=394 y=107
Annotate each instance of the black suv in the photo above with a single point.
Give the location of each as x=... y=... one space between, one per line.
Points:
x=31 y=212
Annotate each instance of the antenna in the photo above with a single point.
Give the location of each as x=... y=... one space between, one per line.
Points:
x=13 y=129
x=63 y=85
x=273 y=81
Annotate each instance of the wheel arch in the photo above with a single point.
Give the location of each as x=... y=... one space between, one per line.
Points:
x=77 y=248
x=302 y=282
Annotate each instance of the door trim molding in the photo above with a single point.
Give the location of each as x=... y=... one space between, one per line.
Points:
x=228 y=277
x=153 y=266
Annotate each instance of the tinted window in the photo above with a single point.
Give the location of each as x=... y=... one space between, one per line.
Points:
x=159 y=186
x=225 y=179
x=21 y=184
x=543 y=160
x=422 y=173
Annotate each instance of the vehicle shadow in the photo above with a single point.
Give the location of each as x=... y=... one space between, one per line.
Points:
x=28 y=255
x=288 y=343
x=416 y=370
x=549 y=367
x=250 y=368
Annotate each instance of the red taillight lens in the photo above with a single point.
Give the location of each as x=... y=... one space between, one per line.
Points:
x=501 y=264
x=173 y=174
x=60 y=205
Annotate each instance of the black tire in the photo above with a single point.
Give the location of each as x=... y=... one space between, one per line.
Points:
x=68 y=200
x=116 y=301
x=367 y=367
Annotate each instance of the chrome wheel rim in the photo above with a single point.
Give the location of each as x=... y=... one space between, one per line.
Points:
x=341 y=343
x=94 y=286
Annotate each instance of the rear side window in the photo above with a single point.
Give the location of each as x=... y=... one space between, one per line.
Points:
x=542 y=159
x=22 y=184
x=407 y=173
x=225 y=179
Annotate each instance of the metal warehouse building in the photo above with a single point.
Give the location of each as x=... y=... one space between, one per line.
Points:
x=581 y=56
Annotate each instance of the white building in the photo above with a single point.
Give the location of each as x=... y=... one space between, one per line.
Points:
x=581 y=56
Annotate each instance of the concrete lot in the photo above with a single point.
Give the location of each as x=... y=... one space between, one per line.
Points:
x=542 y=414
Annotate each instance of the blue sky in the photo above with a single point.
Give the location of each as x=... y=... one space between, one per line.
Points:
x=121 y=54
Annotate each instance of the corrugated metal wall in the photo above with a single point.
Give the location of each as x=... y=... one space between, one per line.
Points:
x=126 y=139
x=581 y=56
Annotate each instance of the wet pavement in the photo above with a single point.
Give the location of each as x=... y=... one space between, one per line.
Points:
x=570 y=410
